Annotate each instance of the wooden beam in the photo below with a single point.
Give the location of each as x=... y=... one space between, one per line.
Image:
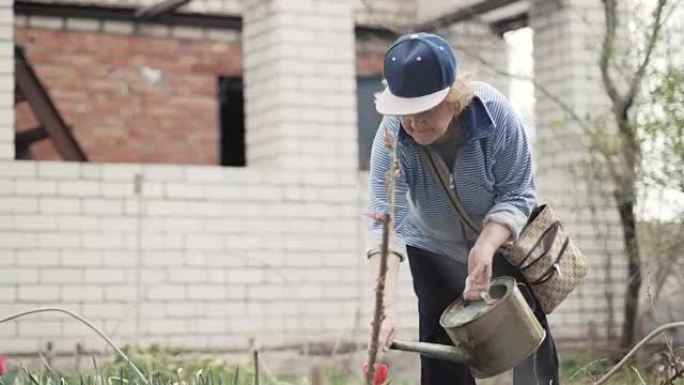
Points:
x=155 y=10
x=29 y=136
x=127 y=14
x=511 y=23
x=44 y=109
x=462 y=14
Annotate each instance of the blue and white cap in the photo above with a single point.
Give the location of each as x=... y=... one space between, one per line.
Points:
x=420 y=68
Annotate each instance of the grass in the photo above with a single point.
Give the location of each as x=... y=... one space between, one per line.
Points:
x=165 y=367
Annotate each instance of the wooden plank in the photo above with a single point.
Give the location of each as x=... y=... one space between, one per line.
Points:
x=463 y=14
x=45 y=111
x=29 y=136
x=155 y=10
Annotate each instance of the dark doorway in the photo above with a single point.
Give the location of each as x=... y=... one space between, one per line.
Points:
x=368 y=118
x=232 y=121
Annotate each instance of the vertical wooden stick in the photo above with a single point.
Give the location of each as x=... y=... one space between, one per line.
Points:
x=379 y=313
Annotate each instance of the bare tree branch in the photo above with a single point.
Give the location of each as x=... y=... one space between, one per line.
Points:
x=652 y=41
x=607 y=50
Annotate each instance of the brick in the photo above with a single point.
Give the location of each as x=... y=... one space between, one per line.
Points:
x=118 y=27
x=184 y=309
x=107 y=240
x=104 y=276
x=60 y=170
x=165 y=258
x=120 y=172
x=18 y=169
x=91 y=171
x=106 y=311
x=59 y=240
x=79 y=188
x=120 y=293
x=204 y=242
x=166 y=326
x=35 y=222
x=35 y=187
x=123 y=258
x=118 y=190
x=187 y=32
x=6 y=222
x=207 y=292
x=6 y=187
x=39 y=328
x=120 y=224
x=82 y=293
x=18 y=240
x=59 y=205
x=61 y=276
x=42 y=293
x=19 y=276
x=223 y=36
x=162 y=292
x=161 y=242
x=86 y=25
x=7 y=293
x=155 y=30
x=102 y=206
x=77 y=222
x=37 y=257
x=46 y=22
x=178 y=190
x=187 y=275
x=164 y=173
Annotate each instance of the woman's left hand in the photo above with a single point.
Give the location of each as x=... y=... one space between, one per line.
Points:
x=479 y=271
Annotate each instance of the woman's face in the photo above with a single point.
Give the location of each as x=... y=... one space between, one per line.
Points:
x=428 y=126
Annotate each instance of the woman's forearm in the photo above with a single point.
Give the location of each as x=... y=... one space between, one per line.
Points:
x=493 y=235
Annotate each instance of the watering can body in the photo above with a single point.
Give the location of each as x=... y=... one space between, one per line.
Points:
x=491 y=336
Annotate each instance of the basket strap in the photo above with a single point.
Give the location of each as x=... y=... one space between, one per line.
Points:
x=455 y=202
x=548 y=274
x=554 y=227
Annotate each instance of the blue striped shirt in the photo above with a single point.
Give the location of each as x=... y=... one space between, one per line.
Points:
x=492 y=176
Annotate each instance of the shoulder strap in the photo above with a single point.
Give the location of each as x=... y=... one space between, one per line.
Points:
x=455 y=202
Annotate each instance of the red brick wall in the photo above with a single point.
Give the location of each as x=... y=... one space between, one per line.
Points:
x=97 y=83
x=369 y=63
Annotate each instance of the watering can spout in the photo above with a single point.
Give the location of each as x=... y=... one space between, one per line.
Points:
x=439 y=351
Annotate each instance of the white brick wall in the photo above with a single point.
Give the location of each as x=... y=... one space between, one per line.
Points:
x=284 y=119
x=480 y=52
x=210 y=256
x=6 y=81
x=219 y=246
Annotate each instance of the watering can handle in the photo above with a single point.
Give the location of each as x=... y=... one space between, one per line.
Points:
x=439 y=351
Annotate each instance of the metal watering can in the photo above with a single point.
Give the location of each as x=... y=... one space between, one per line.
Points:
x=491 y=335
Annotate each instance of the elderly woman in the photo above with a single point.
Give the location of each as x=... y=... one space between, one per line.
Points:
x=476 y=139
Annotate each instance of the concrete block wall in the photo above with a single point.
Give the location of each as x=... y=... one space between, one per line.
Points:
x=480 y=52
x=300 y=103
x=203 y=257
x=566 y=56
x=6 y=80
x=200 y=257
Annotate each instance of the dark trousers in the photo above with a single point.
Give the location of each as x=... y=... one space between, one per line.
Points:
x=438 y=281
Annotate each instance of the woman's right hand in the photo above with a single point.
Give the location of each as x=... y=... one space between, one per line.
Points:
x=387 y=330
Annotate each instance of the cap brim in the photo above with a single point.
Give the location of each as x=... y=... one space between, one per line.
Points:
x=389 y=104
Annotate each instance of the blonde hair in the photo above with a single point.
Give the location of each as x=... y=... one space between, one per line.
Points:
x=461 y=92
